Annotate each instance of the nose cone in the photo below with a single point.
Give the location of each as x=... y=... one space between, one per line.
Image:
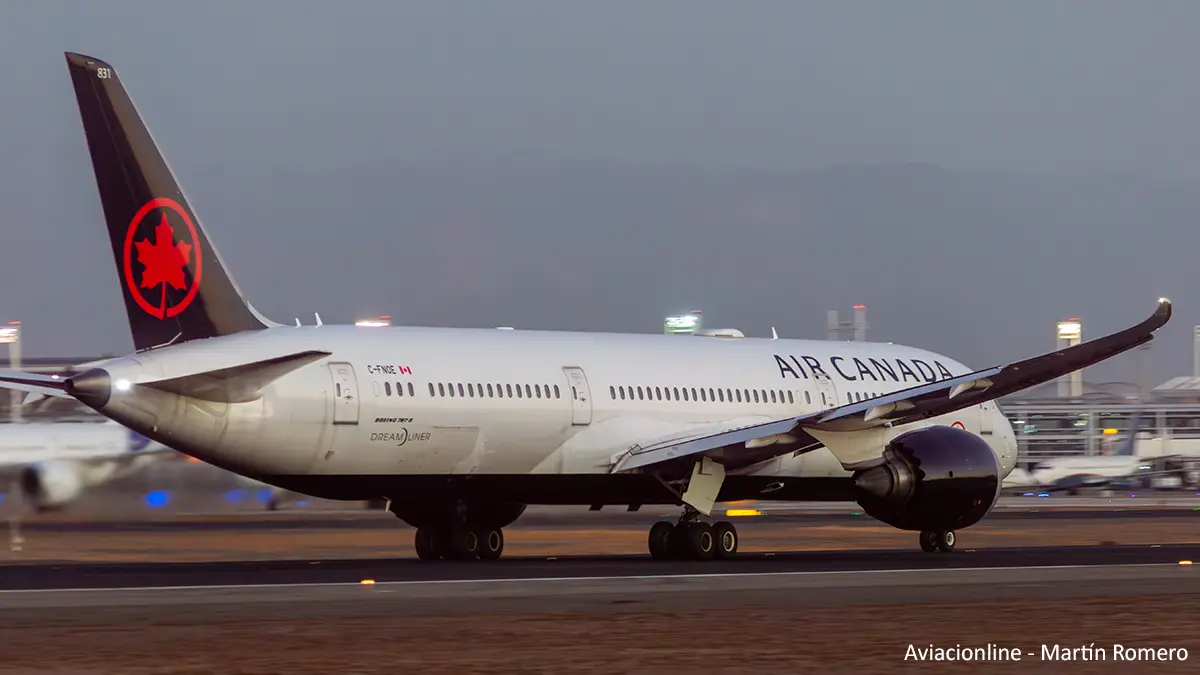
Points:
x=92 y=387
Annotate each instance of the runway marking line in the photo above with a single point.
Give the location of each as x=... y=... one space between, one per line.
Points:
x=630 y=577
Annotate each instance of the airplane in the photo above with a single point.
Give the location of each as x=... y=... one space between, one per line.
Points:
x=53 y=463
x=1074 y=473
x=460 y=429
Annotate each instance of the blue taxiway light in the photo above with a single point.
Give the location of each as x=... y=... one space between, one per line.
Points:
x=157 y=499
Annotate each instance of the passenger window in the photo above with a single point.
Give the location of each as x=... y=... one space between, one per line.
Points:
x=528 y=393
x=441 y=389
x=410 y=389
x=387 y=388
x=747 y=395
x=471 y=389
x=685 y=394
x=756 y=396
x=431 y=389
x=338 y=388
x=612 y=392
x=677 y=393
x=807 y=398
x=519 y=391
x=790 y=400
x=721 y=395
x=508 y=390
x=537 y=389
x=729 y=395
x=658 y=393
x=490 y=395
x=773 y=396
x=546 y=388
x=738 y=392
x=694 y=394
x=621 y=390
x=460 y=389
x=556 y=395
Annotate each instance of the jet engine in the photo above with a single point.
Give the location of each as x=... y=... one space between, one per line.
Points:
x=933 y=479
x=52 y=484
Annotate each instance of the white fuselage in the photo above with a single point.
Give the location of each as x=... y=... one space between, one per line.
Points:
x=1053 y=470
x=39 y=442
x=402 y=401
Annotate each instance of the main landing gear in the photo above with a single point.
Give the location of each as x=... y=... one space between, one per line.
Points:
x=937 y=540
x=691 y=539
x=459 y=542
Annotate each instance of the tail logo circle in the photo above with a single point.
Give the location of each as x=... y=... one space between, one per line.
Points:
x=959 y=425
x=167 y=264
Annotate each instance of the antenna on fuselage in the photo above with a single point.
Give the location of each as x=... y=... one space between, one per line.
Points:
x=774 y=335
x=318 y=319
x=297 y=322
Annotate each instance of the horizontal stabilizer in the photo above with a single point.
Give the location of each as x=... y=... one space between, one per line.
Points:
x=236 y=384
x=34 y=383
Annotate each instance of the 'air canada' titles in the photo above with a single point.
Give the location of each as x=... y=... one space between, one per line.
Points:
x=857 y=369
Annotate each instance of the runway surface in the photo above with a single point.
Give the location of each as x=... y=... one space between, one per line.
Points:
x=795 y=579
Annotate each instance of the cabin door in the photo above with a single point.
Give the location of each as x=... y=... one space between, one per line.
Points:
x=581 y=396
x=826 y=390
x=345 y=393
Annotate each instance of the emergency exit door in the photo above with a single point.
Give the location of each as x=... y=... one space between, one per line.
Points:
x=581 y=396
x=345 y=393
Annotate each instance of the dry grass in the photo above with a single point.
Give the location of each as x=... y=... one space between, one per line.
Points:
x=867 y=639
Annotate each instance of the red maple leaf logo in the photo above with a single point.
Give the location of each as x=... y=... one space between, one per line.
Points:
x=164 y=260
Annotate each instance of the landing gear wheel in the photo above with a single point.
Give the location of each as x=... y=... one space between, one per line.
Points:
x=929 y=541
x=945 y=541
x=464 y=544
x=660 y=540
x=491 y=543
x=696 y=541
x=725 y=537
x=425 y=544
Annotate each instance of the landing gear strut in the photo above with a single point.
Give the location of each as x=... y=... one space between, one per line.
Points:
x=692 y=539
x=938 y=540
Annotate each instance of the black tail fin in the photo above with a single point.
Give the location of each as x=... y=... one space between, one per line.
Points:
x=174 y=285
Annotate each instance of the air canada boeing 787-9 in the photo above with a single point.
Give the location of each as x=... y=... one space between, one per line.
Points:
x=460 y=429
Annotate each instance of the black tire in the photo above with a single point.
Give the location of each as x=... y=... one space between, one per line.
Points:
x=464 y=543
x=929 y=541
x=491 y=543
x=946 y=540
x=725 y=540
x=660 y=542
x=698 y=542
x=425 y=544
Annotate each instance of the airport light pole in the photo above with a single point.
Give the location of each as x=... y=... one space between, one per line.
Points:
x=11 y=335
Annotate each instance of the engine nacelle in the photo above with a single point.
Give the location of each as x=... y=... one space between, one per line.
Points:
x=931 y=479
x=51 y=484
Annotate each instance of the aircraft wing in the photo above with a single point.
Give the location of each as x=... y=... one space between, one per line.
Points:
x=755 y=443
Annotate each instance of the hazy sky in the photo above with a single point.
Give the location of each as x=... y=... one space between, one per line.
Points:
x=298 y=95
